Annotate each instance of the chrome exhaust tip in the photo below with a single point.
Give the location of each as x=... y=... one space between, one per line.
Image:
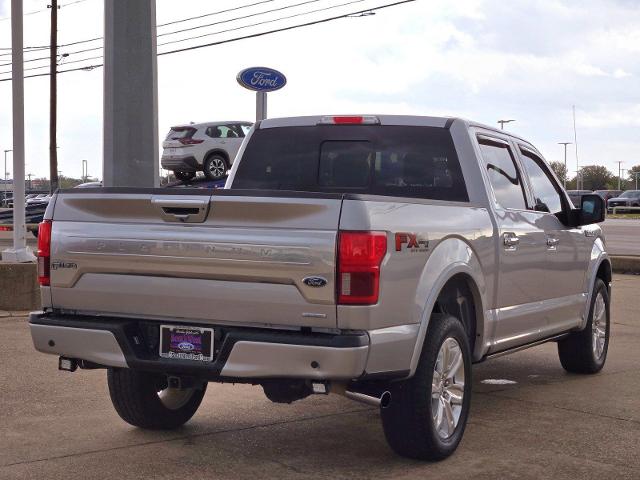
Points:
x=383 y=401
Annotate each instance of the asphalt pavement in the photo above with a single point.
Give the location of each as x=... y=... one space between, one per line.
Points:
x=531 y=421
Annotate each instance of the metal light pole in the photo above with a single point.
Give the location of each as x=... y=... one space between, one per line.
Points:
x=85 y=171
x=619 y=162
x=502 y=122
x=565 y=161
x=19 y=252
x=635 y=174
x=5 y=171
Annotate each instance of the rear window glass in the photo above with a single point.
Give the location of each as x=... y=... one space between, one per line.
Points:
x=418 y=162
x=176 y=133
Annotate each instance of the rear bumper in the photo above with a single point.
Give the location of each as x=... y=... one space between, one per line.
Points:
x=181 y=163
x=244 y=353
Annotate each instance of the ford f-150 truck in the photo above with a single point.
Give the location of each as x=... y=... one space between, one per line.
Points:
x=376 y=257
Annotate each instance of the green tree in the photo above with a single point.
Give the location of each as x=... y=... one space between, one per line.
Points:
x=595 y=177
x=634 y=172
x=559 y=169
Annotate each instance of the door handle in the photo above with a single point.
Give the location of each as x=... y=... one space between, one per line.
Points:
x=510 y=240
x=552 y=242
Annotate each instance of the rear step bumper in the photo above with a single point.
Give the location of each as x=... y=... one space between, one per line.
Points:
x=244 y=353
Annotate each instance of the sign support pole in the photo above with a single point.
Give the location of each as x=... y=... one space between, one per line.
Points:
x=20 y=252
x=261 y=106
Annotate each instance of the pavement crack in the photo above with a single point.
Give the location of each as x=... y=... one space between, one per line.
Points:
x=185 y=437
x=567 y=409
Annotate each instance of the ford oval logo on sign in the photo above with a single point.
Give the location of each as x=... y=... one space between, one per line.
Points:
x=261 y=79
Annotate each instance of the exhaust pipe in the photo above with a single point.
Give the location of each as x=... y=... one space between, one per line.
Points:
x=383 y=401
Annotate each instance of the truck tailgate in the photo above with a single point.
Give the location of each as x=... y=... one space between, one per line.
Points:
x=235 y=257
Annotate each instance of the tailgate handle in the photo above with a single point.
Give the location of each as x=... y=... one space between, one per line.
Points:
x=181 y=211
x=175 y=209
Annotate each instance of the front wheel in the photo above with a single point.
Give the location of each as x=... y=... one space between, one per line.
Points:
x=586 y=351
x=145 y=400
x=428 y=413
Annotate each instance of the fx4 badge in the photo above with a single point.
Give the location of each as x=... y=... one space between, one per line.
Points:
x=411 y=242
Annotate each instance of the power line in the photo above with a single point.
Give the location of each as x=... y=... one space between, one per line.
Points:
x=308 y=12
x=218 y=12
x=230 y=40
x=238 y=18
x=4 y=19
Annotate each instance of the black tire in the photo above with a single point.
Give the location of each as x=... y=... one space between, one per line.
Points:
x=215 y=167
x=135 y=396
x=185 y=176
x=408 y=422
x=579 y=352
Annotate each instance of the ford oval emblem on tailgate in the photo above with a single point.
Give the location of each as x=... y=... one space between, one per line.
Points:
x=315 y=281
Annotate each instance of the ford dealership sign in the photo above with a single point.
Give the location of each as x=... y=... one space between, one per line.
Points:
x=261 y=79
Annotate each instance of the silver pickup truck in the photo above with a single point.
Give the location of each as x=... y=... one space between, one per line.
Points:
x=376 y=257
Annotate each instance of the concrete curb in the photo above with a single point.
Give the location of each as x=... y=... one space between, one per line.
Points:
x=626 y=264
x=19 y=289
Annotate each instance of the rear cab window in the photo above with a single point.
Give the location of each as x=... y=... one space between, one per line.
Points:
x=400 y=161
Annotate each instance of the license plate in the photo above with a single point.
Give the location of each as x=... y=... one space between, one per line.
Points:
x=186 y=343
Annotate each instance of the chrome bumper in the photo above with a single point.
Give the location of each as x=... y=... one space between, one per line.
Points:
x=244 y=353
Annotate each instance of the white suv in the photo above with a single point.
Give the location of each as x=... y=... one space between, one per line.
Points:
x=210 y=147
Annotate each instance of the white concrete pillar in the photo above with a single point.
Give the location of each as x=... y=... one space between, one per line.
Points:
x=130 y=129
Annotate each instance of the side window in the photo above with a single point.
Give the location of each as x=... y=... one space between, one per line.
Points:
x=544 y=190
x=245 y=129
x=214 y=132
x=503 y=174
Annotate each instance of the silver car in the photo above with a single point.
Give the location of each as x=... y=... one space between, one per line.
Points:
x=208 y=147
x=374 y=257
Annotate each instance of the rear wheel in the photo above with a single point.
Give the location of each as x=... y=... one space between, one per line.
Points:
x=586 y=351
x=145 y=400
x=185 y=176
x=428 y=413
x=215 y=167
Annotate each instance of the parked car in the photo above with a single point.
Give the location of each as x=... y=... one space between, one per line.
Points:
x=608 y=194
x=630 y=198
x=209 y=147
x=576 y=196
x=373 y=257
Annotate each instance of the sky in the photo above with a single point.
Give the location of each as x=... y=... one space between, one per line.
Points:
x=480 y=59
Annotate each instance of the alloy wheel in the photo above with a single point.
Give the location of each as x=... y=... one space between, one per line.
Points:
x=447 y=388
x=599 y=326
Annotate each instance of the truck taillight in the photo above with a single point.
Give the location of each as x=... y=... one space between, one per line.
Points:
x=359 y=257
x=44 y=252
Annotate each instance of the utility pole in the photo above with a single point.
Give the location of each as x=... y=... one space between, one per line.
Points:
x=575 y=141
x=502 y=122
x=565 y=162
x=5 y=171
x=620 y=162
x=85 y=171
x=29 y=175
x=53 y=109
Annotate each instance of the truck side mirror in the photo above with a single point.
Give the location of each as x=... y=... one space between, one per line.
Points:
x=592 y=208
